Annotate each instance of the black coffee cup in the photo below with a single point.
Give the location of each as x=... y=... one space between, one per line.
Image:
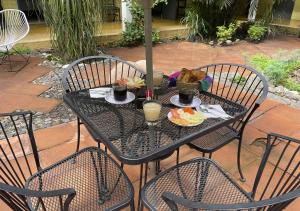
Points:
x=120 y=92
x=186 y=96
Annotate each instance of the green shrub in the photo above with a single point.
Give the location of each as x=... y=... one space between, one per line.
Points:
x=20 y=49
x=202 y=17
x=277 y=72
x=133 y=35
x=279 y=68
x=239 y=80
x=257 y=32
x=134 y=31
x=54 y=58
x=260 y=61
x=226 y=33
x=195 y=24
x=292 y=85
x=155 y=36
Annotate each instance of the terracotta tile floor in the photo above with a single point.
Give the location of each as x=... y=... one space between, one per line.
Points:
x=17 y=92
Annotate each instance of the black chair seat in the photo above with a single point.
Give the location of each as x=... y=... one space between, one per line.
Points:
x=214 y=140
x=98 y=181
x=196 y=180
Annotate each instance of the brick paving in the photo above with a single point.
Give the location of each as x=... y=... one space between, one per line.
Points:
x=17 y=92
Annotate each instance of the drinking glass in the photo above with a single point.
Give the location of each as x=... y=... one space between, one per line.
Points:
x=157 y=78
x=152 y=110
x=186 y=96
x=120 y=92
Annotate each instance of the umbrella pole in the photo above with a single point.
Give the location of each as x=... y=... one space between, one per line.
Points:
x=148 y=43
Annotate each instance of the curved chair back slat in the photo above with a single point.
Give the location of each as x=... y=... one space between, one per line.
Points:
x=13 y=27
x=273 y=204
x=276 y=185
x=238 y=83
x=96 y=71
x=18 y=154
x=18 y=161
x=283 y=174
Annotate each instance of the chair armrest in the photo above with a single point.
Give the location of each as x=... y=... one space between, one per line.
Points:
x=276 y=135
x=172 y=201
x=70 y=192
x=16 y=113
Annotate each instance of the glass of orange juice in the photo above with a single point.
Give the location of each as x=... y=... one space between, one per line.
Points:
x=152 y=109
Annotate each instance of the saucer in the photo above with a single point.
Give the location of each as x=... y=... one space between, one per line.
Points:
x=110 y=98
x=175 y=101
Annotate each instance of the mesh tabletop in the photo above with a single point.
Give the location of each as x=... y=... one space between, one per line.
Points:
x=199 y=180
x=99 y=183
x=123 y=130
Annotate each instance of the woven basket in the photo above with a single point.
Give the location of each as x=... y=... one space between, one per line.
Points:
x=182 y=85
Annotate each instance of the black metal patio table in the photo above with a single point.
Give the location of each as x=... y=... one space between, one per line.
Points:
x=123 y=130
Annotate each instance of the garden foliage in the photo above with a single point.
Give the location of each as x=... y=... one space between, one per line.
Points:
x=226 y=33
x=279 y=68
x=257 y=32
x=73 y=26
x=134 y=31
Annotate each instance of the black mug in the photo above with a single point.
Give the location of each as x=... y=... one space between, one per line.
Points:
x=186 y=96
x=120 y=92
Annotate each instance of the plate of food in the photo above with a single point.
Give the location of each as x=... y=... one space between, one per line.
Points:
x=132 y=83
x=186 y=117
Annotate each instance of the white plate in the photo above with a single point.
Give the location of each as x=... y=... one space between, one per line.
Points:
x=110 y=98
x=175 y=101
x=189 y=125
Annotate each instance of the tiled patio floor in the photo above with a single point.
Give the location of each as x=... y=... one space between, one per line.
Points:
x=55 y=143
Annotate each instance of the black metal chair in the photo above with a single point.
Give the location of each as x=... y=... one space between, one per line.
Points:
x=238 y=83
x=96 y=71
x=200 y=184
x=86 y=180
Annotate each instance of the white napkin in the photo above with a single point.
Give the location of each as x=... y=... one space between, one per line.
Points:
x=214 y=111
x=99 y=92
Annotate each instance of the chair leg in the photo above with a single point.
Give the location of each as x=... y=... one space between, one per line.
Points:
x=140 y=205
x=7 y=57
x=242 y=179
x=140 y=186
x=132 y=208
x=26 y=59
x=157 y=167
x=9 y=60
x=177 y=156
x=78 y=134
x=99 y=181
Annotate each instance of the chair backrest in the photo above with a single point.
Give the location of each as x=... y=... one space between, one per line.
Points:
x=18 y=155
x=276 y=185
x=279 y=171
x=95 y=71
x=13 y=26
x=238 y=83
